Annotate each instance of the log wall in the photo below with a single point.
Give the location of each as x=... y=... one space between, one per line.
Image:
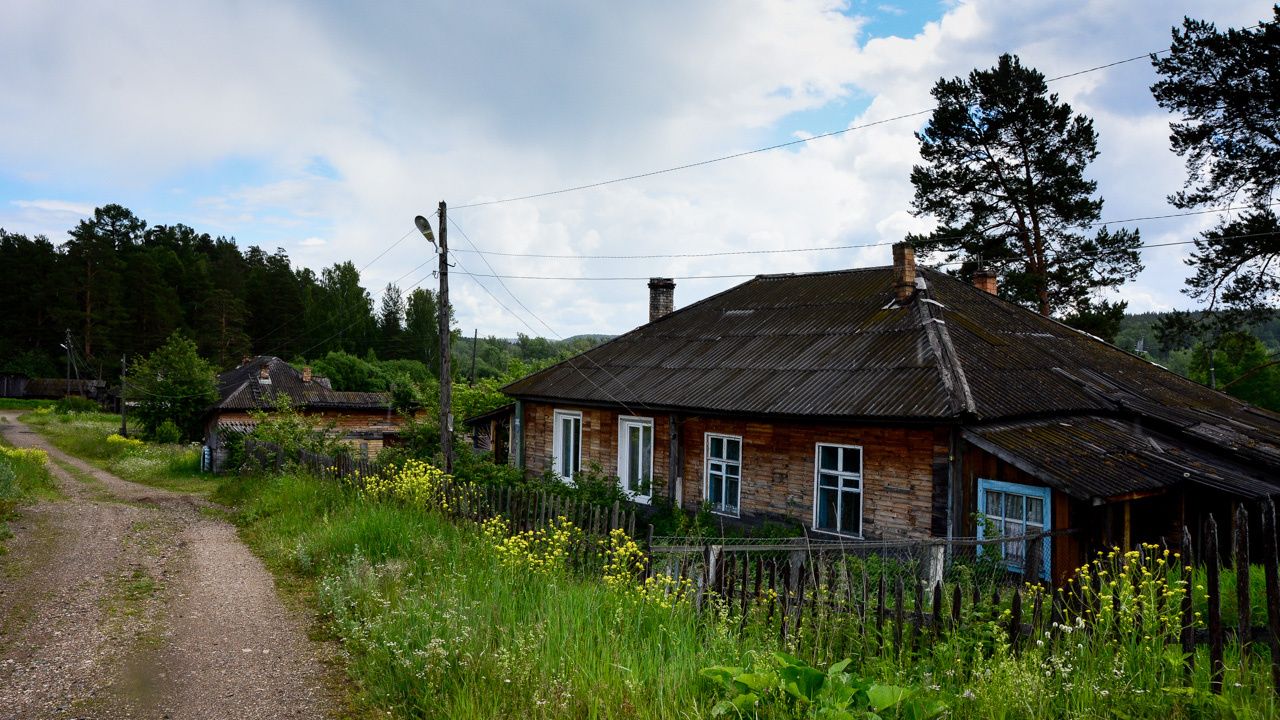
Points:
x=778 y=476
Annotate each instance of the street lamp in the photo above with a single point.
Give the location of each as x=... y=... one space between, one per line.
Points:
x=446 y=377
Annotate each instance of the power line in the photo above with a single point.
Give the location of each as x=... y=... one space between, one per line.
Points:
x=778 y=146
x=800 y=250
x=751 y=275
x=302 y=312
x=544 y=323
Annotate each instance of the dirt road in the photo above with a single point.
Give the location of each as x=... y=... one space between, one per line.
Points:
x=125 y=601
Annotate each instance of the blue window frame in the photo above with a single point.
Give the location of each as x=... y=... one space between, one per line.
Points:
x=1015 y=510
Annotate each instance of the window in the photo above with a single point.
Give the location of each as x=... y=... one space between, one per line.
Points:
x=635 y=456
x=724 y=472
x=566 y=451
x=838 y=489
x=1013 y=510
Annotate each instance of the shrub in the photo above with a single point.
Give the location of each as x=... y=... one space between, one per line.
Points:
x=123 y=444
x=168 y=433
x=172 y=384
x=75 y=404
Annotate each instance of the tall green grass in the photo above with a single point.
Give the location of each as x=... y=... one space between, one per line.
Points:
x=85 y=435
x=24 y=404
x=437 y=625
x=23 y=479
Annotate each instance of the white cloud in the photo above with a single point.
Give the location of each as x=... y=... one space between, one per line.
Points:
x=56 y=206
x=321 y=120
x=311 y=241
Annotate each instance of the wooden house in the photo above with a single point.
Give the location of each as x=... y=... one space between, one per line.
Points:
x=364 y=419
x=896 y=403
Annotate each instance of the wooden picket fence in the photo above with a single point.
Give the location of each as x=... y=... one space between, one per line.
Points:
x=912 y=595
x=805 y=589
x=522 y=508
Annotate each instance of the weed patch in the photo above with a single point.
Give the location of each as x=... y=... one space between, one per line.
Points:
x=94 y=437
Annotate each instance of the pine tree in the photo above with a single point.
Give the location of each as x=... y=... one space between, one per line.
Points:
x=1004 y=174
x=1226 y=88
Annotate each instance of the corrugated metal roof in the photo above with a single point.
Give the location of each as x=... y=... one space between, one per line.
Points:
x=818 y=344
x=1103 y=457
x=242 y=388
x=835 y=345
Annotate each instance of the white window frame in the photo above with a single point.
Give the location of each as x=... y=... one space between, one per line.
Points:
x=1026 y=491
x=625 y=423
x=841 y=475
x=556 y=443
x=706 y=472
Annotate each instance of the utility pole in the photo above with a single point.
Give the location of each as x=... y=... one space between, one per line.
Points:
x=475 y=340
x=446 y=376
x=68 y=347
x=124 y=406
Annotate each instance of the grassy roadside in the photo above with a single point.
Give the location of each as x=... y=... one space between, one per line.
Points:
x=437 y=624
x=440 y=619
x=22 y=404
x=24 y=478
x=87 y=436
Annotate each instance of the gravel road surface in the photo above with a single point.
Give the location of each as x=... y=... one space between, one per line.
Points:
x=125 y=601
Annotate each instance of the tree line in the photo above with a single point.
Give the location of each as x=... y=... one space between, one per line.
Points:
x=1005 y=174
x=123 y=287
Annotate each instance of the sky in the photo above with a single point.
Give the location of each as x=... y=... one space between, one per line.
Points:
x=323 y=128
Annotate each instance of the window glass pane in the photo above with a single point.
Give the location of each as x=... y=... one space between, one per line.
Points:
x=826 y=480
x=716 y=483
x=995 y=504
x=732 y=470
x=852 y=461
x=717 y=448
x=1012 y=528
x=849 y=513
x=829 y=458
x=851 y=483
x=733 y=448
x=646 y=454
x=1035 y=510
x=633 y=458
x=731 y=493
x=827 y=508
x=1013 y=506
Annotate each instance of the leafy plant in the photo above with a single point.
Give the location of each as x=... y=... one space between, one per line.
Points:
x=293 y=431
x=75 y=404
x=172 y=384
x=168 y=433
x=833 y=695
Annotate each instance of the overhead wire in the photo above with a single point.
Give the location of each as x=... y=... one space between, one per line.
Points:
x=540 y=320
x=725 y=253
x=777 y=146
x=749 y=275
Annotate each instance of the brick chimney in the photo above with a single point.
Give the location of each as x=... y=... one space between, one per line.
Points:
x=306 y=374
x=662 y=297
x=264 y=371
x=985 y=280
x=904 y=271
x=245 y=360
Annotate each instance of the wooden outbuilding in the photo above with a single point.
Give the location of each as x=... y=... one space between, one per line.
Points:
x=364 y=419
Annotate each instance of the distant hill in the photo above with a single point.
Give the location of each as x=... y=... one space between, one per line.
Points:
x=1139 y=327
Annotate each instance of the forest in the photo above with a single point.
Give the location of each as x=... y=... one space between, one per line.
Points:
x=122 y=287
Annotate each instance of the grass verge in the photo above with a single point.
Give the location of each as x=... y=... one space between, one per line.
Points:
x=441 y=619
x=88 y=436
x=24 y=478
x=21 y=404
x=436 y=624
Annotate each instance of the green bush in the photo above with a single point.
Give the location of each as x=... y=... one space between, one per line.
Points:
x=75 y=404
x=168 y=433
